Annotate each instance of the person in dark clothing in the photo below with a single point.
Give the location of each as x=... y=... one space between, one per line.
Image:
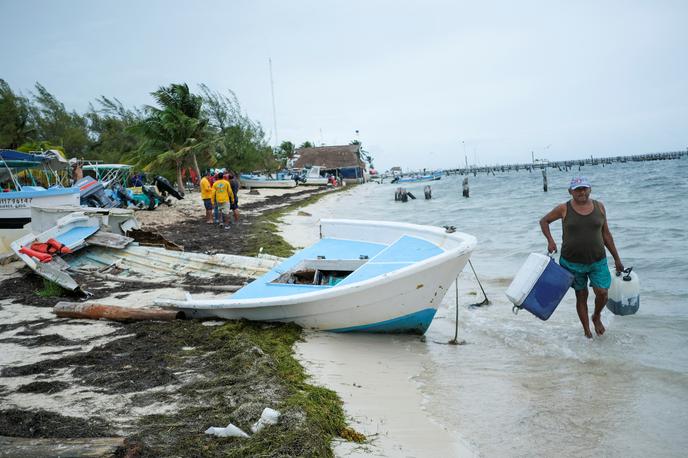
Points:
x=585 y=236
x=234 y=183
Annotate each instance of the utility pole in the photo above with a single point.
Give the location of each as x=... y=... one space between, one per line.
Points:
x=464 y=153
x=274 y=111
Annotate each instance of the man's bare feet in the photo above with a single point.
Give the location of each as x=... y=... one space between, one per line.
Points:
x=599 y=327
x=588 y=334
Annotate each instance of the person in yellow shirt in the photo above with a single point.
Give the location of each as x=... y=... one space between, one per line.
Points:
x=207 y=196
x=223 y=197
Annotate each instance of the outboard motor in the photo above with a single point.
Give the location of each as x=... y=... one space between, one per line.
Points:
x=166 y=187
x=154 y=199
x=124 y=196
x=92 y=193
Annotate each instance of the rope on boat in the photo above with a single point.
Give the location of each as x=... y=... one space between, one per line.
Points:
x=455 y=340
x=486 y=301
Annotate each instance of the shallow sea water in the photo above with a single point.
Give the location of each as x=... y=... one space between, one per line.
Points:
x=524 y=387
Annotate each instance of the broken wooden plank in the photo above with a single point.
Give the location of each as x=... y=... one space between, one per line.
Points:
x=29 y=447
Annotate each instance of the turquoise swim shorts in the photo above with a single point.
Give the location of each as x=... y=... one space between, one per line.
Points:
x=597 y=272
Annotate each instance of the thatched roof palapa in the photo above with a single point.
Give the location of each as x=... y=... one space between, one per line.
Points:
x=329 y=157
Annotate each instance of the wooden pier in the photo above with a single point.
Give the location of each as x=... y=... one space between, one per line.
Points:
x=566 y=164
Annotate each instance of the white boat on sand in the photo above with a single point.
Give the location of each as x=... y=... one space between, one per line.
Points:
x=260 y=181
x=312 y=177
x=368 y=276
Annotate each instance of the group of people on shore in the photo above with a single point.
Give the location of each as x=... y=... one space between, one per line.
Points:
x=219 y=192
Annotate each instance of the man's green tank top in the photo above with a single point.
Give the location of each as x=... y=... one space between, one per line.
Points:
x=582 y=235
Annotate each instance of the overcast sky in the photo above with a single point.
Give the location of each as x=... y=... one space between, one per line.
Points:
x=421 y=81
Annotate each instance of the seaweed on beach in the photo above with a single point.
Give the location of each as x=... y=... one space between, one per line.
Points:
x=40 y=423
x=43 y=387
x=246 y=367
x=39 y=340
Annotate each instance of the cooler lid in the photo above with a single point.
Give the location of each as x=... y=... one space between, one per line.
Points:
x=526 y=277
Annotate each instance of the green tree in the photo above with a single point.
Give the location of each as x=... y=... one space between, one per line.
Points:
x=174 y=131
x=306 y=144
x=58 y=126
x=285 y=152
x=111 y=126
x=238 y=142
x=15 y=120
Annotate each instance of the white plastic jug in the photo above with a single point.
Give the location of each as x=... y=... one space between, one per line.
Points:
x=624 y=293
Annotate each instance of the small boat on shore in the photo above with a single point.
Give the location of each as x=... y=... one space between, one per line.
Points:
x=260 y=181
x=29 y=179
x=370 y=276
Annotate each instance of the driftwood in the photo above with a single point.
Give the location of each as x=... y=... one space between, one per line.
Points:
x=77 y=447
x=94 y=311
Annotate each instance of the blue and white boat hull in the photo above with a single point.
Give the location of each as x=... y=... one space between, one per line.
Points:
x=396 y=289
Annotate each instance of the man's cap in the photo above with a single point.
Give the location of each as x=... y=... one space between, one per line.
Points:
x=220 y=175
x=579 y=182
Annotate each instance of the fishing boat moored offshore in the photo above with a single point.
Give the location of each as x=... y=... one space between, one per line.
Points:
x=371 y=276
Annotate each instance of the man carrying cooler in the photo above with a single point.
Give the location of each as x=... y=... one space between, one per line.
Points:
x=207 y=196
x=585 y=236
x=223 y=197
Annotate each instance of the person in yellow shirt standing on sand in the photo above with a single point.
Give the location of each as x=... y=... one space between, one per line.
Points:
x=223 y=197
x=207 y=196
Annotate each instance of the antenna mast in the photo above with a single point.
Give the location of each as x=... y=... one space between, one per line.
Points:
x=274 y=111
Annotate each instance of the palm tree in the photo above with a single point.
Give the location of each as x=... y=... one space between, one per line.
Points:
x=174 y=132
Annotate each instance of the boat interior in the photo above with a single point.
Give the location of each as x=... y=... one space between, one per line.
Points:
x=334 y=262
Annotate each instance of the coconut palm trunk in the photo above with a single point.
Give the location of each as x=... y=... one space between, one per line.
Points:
x=180 y=179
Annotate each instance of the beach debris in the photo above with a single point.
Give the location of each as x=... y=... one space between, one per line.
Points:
x=268 y=417
x=111 y=256
x=303 y=213
x=229 y=431
x=95 y=311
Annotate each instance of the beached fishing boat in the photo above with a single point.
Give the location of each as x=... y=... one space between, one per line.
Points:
x=260 y=181
x=368 y=276
x=26 y=180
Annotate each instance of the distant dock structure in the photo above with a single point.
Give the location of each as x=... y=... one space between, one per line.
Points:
x=566 y=164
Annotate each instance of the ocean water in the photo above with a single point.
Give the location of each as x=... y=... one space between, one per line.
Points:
x=524 y=387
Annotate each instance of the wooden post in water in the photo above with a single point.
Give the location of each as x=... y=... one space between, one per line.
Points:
x=544 y=180
x=465 y=187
